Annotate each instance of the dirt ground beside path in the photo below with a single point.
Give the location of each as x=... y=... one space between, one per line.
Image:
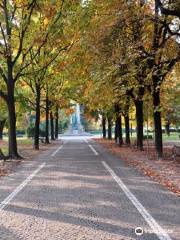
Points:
x=26 y=151
x=166 y=171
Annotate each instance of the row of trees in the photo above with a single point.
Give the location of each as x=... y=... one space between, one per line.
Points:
x=131 y=57
x=35 y=39
x=116 y=57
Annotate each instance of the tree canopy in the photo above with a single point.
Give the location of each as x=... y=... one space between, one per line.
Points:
x=111 y=56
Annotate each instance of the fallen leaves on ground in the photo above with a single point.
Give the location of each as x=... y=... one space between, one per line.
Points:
x=165 y=171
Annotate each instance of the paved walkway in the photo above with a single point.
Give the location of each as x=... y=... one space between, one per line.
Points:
x=79 y=191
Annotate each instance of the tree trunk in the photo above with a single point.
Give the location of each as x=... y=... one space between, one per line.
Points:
x=13 y=153
x=139 y=123
x=104 y=126
x=167 y=126
x=37 y=120
x=47 y=120
x=56 y=122
x=131 y=129
x=127 y=129
x=52 y=126
x=118 y=128
x=2 y=157
x=116 y=132
x=2 y=123
x=157 y=124
x=109 y=128
x=119 y=135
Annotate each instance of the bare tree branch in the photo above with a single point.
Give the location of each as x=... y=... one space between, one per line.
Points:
x=166 y=11
x=26 y=19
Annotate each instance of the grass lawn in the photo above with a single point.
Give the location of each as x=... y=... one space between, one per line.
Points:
x=24 y=141
x=173 y=136
x=20 y=142
x=4 y=150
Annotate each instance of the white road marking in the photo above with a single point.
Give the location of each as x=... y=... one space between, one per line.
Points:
x=57 y=150
x=75 y=148
x=78 y=161
x=20 y=187
x=92 y=148
x=157 y=229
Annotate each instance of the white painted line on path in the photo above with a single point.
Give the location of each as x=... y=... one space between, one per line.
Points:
x=20 y=187
x=92 y=148
x=157 y=229
x=58 y=149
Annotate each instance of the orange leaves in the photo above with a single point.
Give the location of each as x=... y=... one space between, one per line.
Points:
x=62 y=65
x=50 y=11
x=69 y=111
x=46 y=21
x=21 y=3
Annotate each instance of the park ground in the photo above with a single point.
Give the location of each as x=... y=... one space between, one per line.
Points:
x=78 y=190
x=165 y=171
x=26 y=151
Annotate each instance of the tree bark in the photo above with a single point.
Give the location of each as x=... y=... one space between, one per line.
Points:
x=37 y=120
x=167 y=126
x=52 y=126
x=109 y=128
x=13 y=153
x=168 y=12
x=104 y=126
x=127 y=129
x=157 y=124
x=56 y=122
x=119 y=130
x=139 y=123
x=2 y=123
x=116 y=132
x=1 y=155
x=47 y=120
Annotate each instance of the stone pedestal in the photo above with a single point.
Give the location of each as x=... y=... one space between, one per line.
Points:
x=75 y=120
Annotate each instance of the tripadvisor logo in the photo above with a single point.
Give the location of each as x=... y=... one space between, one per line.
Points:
x=139 y=231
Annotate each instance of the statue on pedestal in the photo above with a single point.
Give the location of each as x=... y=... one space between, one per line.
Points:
x=75 y=119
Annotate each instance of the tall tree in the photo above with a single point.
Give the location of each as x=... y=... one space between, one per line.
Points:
x=23 y=27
